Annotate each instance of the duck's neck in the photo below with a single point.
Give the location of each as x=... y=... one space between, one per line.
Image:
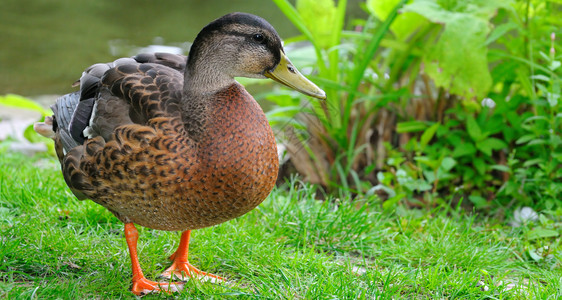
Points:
x=202 y=83
x=204 y=77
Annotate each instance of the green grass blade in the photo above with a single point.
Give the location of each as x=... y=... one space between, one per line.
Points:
x=373 y=46
x=370 y=51
x=293 y=15
x=333 y=55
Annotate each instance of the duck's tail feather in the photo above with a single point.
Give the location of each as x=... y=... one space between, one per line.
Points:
x=63 y=110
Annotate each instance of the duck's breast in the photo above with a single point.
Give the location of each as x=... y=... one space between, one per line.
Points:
x=238 y=155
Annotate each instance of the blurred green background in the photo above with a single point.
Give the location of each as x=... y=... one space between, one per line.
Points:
x=45 y=45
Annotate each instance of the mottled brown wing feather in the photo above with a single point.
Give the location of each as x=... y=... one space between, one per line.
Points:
x=152 y=93
x=174 y=61
x=152 y=90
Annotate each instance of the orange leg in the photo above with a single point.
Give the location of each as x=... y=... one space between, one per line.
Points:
x=181 y=268
x=141 y=285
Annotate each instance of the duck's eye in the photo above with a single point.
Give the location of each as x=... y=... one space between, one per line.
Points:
x=258 y=37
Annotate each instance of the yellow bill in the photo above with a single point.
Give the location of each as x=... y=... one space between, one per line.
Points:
x=285 y=73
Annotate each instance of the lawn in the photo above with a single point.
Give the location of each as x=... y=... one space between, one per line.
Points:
x=292 y=246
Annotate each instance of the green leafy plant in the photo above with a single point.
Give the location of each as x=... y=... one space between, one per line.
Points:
x=328 y=144
x=11 y=100
x=360 y=83
x=455 y=54
x=428 y=100
x=537 y=160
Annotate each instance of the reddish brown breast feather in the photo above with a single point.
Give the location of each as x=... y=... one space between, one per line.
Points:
x=159 y=177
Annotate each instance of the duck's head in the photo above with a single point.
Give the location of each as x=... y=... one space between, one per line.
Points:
x=243 y=45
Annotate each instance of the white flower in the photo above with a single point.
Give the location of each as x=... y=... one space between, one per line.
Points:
x=488 y=102
x=524 y=215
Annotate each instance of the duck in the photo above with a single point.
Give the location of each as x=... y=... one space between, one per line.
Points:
x=173 y=142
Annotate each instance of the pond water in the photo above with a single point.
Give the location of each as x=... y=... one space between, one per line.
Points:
x=46 y=44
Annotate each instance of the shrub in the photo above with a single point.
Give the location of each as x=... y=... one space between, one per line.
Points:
x=428 y=100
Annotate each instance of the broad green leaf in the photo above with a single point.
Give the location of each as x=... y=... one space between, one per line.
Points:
x=419 y=185
x=531 y=162
x=283 y=99
x=495 y=144
x=541 y=232
x=319 y=17
x=501 y=168
x=442 y=173
x=33 y=136
x=392 y=202
x=489 y=144
x=533 y=254
x=410 y=183
x=405 y=23
x=537 y=142
x=494 y=124
x=524 y=139
x=536 y=118
x=478 y=201
x=473 y=129
x=23 y=103
x=6 y=215
x=544 y=220
x=441 y=10
x=432 y=163
x=448 y=163
x=554 y=65
x=412 y=126
x=283 y=116
x=428 y=135
x=480 y=165
x=464 y=149
x=385 y=179
x=485 y=148
x=541 y=77
x=499 y=31
x=552 y=99
x=458 y=60
x=429 y=175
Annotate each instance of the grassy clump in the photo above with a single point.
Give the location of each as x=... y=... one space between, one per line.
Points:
x=291 y=246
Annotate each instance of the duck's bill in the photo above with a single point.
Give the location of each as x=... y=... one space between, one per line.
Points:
x=285 y=73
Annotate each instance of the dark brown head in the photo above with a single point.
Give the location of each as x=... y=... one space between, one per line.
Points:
x=244 y=45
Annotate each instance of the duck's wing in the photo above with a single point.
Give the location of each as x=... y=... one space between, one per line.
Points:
x=116 y=102
x=135 y=94
x=174 y=61
x=126 y=91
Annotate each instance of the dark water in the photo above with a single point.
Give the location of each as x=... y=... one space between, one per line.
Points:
x=45 y=45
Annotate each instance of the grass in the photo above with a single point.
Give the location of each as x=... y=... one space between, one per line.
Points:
x=291 y=246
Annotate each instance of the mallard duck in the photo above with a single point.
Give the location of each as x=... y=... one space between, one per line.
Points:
x=172 y=142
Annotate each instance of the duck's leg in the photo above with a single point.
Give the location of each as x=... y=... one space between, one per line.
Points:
x=181 y=268
x=141 y=285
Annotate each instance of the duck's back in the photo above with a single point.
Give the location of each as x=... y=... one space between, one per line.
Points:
x=156 y=170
